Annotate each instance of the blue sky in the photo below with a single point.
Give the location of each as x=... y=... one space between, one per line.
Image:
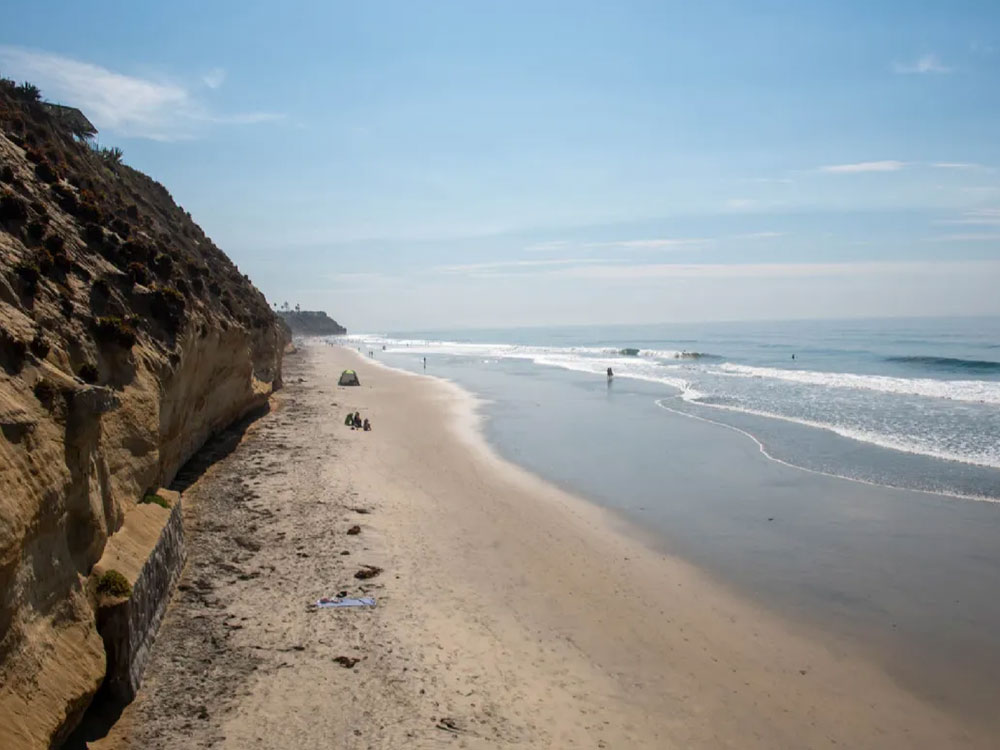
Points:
x=408 y=165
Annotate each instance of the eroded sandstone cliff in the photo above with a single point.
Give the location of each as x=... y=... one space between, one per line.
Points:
x=126 y=339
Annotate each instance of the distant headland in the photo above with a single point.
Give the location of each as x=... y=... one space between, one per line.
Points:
x=311 y=323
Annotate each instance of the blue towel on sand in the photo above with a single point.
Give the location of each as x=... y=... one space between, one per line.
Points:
x=365 y=601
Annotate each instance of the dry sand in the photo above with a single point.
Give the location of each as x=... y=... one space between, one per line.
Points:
x=510 y=613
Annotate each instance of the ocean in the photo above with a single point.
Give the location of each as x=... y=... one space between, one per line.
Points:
x=923 y=389
x=854 y=487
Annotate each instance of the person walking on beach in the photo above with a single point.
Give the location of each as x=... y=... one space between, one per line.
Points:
x=610 y=374
x=425 y=363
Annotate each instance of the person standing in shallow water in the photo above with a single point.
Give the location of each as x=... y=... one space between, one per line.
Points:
x=610 y=374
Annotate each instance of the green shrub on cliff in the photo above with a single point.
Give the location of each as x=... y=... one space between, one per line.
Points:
x=29 y=274
x=115 y=330
x=113 y=583
x=163 y=264
x=46 y=172
x=168 y=308
x=156 y=500
x=138 y=273
x=112 y=156
x=28 y=92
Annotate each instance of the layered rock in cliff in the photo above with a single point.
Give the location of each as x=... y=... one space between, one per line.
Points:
x=312 y=323
x=126 y=338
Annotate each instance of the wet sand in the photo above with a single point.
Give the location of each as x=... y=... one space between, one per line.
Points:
x=902 y=578
x=510 y=613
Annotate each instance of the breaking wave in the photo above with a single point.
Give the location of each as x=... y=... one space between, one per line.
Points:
x=973 y=391
x=949 y=364
x=911 y=415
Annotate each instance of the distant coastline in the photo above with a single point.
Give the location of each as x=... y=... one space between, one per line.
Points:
x=311 y=323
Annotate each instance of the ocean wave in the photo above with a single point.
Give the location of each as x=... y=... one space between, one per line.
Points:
x=948 y=363
x=903 y=443
x=993 y=460
x=707 y=384
x=649 y=373
x=672 y=354
x=973 y=391
x=516 y=351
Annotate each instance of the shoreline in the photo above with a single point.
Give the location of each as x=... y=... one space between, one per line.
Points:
x=948 y=494
x=927 y=656
x=522 y=614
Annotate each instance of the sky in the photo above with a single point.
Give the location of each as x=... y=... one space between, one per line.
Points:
x=414 y=165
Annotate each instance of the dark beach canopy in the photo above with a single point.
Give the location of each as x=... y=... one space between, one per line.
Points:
x=349 y=377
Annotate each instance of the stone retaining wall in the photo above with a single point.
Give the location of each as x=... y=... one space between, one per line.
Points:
x=129 y=627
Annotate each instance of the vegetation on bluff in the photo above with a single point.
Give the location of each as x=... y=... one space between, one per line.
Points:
x=65 y=202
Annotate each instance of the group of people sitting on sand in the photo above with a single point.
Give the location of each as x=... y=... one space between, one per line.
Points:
x=354 y=422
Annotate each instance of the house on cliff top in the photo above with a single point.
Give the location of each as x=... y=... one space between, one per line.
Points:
x=74 y=120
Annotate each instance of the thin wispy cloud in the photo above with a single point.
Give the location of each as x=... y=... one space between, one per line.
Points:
x=758 y=236
x=658 y=243
x=357 y=278
x=214 y=78
x=670 y=243
x=970 y=237
x=493 y=267
x=568 y=266
x=643 y=245
x=929 y=63
x=982 y=217
x=960 y=165
x=546 y=247
x=642 y=272
x=123 y=104
x=887 y=165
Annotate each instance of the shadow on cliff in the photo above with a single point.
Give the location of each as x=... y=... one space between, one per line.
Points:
x=215 y=449
x=106 y=707
x=104 y=711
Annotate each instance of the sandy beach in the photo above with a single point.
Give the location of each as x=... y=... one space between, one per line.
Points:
x=510 y=613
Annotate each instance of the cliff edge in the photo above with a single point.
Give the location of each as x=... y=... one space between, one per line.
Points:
x=126 y=339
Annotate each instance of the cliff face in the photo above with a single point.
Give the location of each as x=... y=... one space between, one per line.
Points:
x=126 y=338
x=312 y=323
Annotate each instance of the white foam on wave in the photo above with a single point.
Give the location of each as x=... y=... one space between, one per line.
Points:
x=767 y=454
x=626 y=367
x=974 y=391
x=508 y=351
x=662 y=367
x=594 y=360
x=989 y=457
